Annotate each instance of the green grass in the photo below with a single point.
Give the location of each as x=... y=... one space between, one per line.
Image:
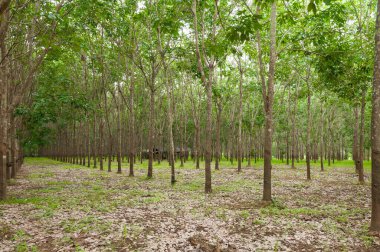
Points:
x=193 y=185
x=335 y=214
x=40 y=161
x=190 y=164
x=86 y=224
x=224 y=163
x=33 y=200
x=244 y=214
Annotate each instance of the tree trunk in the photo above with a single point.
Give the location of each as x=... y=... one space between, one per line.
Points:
x=101 y=144
x=118 y=139
x=151 y=133
x=268 y=95
x=208 y=138
x=355 y=149
x=375 y=131
x=321 y=137
x=110 y=145
x=208 y=86
x=217 y=144
x=361 y=144
x=13 y=138
x=308 y=133
x=95 y=143
x=170 y=126
x=294 y=149
x=131 y=126
x=239 y=145
x=3 y=121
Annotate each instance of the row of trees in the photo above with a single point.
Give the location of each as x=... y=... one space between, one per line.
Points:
x=83 y=81
x=28 y=32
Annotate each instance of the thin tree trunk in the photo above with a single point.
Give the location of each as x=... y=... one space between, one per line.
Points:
x=197 y=151
x=101 y=144
x=131 y=126
x=118 y=138
x=361 y=146
x=151 y=133
x=208 y=138
x=13 y=148
x=218 y=124
x=170 y=127
x=308 y=133
x=355 y=149
x=321 y=137
x=208 y=86
x=240 y=117
x=375 y=131
x=294 y=149
x=95 y=143
x=268 y=95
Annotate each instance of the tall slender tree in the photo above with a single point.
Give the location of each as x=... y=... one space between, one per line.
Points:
x=375 y=130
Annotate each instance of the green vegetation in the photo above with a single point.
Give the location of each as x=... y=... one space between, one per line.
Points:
x=216 y=125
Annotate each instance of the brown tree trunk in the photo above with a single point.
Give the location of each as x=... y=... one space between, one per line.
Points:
x=3 y=116
x=294 y=144
x=101 y=144
x=268 y=95
x=95 y=143
x=288 y=133
x=151 y=133
x=240 y=118
x=321 y=137
x=118 y=138
x=308 y=133
x=355 y=148
x=109 y=140
x=375 y=131
x=170 y=126
x=13 y=148
x=217 y=143
x=361 y=144
x=208 y=138
x=87 y=121
x=131 y=126
x=207 y=82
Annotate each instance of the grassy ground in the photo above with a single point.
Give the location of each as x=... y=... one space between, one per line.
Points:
x=54 y=206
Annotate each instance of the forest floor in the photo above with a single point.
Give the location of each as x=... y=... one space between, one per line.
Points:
x=54 y=206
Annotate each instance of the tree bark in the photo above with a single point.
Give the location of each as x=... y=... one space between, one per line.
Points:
x=268 y=94
x=217 y=142
x=207 y=82
x=118 y=137
x=321 y=138
x=151 y=133
x=308 y=133
x=240 y=118
x=101 y=143
x=131 y=126
x=355 y=149
x=95 y=143
x=294 y=144
x=170 y=127
x=3 y=114
x=361 y=144
x=375 y=131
